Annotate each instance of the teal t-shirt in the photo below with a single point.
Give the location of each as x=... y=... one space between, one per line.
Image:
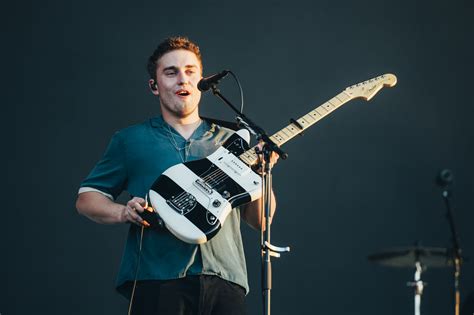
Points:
x=134 y=159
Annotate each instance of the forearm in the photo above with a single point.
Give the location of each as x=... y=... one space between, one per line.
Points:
x=252 y=213
x=99 y=208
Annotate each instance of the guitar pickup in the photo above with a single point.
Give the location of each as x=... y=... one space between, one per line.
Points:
x=203 y=186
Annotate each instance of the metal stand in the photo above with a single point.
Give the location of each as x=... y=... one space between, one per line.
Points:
x=445 y=179
x=267 y=248
x=419 y=285
x=456 y=251
x=419 y=256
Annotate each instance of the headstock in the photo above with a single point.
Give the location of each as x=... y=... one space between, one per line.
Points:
x=369 y=88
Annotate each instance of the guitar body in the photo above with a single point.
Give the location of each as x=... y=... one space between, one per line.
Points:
x=194 y=198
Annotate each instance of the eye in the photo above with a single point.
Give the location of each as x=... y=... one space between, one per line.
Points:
x=170 y=73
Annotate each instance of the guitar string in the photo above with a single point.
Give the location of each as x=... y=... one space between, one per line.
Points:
x=214 y=174
x=186 y=149
x=218 y=178
x=180 y=197
x=210 y=174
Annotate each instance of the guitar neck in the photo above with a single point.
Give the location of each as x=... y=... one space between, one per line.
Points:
x=303 y=123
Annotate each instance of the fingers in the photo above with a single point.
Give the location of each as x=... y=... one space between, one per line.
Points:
x=273 y=157
x=133 y=209
x=136 y=203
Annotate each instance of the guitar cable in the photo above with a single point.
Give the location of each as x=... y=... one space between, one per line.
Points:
x=130 y=304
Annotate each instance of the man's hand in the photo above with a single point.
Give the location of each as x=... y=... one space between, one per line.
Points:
x=273 y=159
x=101 y=209
x=131 y=211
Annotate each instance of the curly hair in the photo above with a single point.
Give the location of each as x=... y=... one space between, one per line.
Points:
x=170 y=44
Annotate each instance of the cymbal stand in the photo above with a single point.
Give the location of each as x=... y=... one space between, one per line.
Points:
x=419 y=285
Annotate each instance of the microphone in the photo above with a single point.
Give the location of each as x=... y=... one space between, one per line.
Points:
x=206 y=83
x=444 y=178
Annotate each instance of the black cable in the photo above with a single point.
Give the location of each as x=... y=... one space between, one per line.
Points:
x=241 y=91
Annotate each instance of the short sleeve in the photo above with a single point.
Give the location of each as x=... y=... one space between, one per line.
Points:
x=109 y=174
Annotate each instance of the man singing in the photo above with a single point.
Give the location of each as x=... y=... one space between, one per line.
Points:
x=172 y=277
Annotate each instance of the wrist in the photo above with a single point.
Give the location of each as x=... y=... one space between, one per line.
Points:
x=120 y=212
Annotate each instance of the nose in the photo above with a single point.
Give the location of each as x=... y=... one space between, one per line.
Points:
x=183 y=78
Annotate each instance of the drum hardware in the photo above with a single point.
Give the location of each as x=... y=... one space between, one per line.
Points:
x=414 y=256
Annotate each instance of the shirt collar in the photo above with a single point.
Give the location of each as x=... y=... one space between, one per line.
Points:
x=203 y=128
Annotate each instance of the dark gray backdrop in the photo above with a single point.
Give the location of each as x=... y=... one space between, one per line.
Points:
x=359 y=181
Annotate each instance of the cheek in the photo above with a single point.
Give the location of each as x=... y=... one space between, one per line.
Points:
x=197 y=98
x=196 y=80
x=165 y=85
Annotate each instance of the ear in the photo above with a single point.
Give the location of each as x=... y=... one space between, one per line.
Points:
x=153 y=86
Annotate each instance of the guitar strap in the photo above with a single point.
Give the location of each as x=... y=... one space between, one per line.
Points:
x=223 y=123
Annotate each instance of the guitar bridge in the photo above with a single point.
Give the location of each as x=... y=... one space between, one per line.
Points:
x=203 y=186
x=183 y=204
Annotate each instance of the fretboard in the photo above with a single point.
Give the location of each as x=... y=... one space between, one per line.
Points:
x=306 y=121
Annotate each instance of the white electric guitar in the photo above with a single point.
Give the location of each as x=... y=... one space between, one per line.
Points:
x=194 y=198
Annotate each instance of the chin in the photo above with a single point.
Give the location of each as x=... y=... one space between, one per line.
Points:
x=185 y=113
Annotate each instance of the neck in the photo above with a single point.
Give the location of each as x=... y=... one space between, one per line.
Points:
x=185 y=125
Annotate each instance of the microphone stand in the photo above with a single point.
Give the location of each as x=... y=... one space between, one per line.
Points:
x=457 y=258
x=268 y=250
x=456 y=249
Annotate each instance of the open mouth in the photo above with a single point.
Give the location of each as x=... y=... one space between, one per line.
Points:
x=182 y=93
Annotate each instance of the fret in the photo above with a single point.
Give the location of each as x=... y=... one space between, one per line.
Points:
x=278 y=140
x=282 y=134
x=328 y=106
x=304 y=122
x=310 y=119
x=321 y=112
x=317 y=116
x=285 y=135
x=248 y=156
x=335 y=102
x=343 y=97
x=293 y=129
x=253 y=155
x=288 y=132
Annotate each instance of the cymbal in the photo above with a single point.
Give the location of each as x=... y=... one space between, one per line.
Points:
x=402 y=257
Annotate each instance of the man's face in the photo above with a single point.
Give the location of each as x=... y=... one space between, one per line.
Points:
x=177 y=75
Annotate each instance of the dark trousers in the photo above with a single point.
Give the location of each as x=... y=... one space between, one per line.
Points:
x=193 y=295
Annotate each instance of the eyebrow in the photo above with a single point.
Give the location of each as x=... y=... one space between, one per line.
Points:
x=176 y=68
